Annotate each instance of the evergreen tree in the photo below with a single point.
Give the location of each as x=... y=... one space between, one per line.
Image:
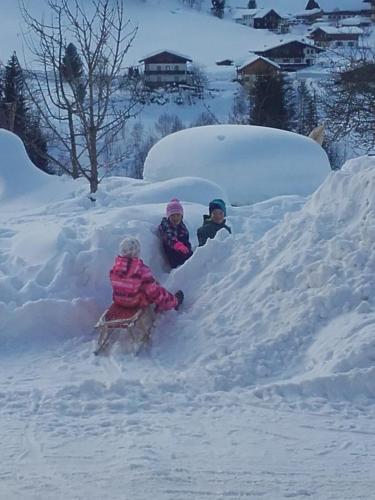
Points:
x=218 y=8
x=72 y=71
x=305 y=110
x=312 y=4
x=13 y=92
x=25 y=125
x=269 y=104
x=252 y=4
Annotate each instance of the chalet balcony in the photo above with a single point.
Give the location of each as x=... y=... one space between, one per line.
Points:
x=166 y=72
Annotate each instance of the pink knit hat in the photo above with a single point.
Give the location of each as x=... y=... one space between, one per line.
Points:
x=174 y=207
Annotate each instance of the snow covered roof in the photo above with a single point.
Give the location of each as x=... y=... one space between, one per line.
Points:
x=255 y=13
x=256 y=58
x=157 y=52
x=240 y=13
x=355 y=21
x=345 y=30
x=286 y=42
x=308 y=13
x=326 y=5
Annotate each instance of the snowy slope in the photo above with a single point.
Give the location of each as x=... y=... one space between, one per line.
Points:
x=261 y=386
x=295 y=6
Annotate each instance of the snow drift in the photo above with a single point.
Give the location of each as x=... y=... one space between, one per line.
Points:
x=283 y=307
x=251 y=163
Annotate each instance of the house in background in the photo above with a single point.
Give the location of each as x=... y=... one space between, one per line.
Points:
x=329 y=36
x=256 y=66
x=309 y=16
x=291 y=55
x=335 y=16
x=266 y=19
x=360 y=22
x=372 y=7
x=166 y=67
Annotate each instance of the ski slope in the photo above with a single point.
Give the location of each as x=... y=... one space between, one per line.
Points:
x=261 y=386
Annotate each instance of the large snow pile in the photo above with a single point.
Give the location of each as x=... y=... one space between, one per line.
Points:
x=293 y=313
x=252 y=163
x=264 y=309
x=273 y=349
x=18 y=175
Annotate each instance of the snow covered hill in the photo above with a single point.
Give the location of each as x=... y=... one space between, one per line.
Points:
x=261 y=386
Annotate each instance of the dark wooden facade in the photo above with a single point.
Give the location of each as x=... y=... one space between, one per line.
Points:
x=323 y=38
x=292 y=55
x=269 y=21
x=247 y=73
x=166 y=68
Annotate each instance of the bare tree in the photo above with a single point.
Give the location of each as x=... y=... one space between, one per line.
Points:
x=168 y=124
x=84 y=108
x=349 y=104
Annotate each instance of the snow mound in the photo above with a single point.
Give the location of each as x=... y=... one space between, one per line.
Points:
x=187 y=189
x=18 y=175
x=251 y=163
x=294 y=313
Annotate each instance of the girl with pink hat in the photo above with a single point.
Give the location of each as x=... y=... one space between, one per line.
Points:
x=175 y=235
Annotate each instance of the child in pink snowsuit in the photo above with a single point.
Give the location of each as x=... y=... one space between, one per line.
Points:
x=133 y=284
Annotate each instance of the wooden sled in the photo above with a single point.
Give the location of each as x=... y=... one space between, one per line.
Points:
x=131 y=327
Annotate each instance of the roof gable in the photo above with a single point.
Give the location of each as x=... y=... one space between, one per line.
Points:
x=168 y=55
x=289 y=42
x=254 y=59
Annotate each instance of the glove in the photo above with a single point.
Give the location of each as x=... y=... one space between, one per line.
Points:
x=180 y=298
x=180 y=247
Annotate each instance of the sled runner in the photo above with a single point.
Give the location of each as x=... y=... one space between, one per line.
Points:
x=130 y=327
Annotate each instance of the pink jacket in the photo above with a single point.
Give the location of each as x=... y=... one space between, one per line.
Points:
x=134 y=286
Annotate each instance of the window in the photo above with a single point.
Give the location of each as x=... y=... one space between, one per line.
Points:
x=286 y=60
x=176 y=67
x=168 y=68
x=158 y=68
x=297 y=60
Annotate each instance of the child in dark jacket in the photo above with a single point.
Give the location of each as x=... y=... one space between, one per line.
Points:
x=175 y=235
x=213 y=222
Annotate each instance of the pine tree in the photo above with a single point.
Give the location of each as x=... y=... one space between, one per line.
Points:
x=252 y=4
x=13 y=92
x=312 y=4
x=25 y=125
x=72 y=71
x=305 y=110
x=269 y=105
x=218 y=8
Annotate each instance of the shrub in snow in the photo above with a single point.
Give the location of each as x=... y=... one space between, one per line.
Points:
x=251 y=163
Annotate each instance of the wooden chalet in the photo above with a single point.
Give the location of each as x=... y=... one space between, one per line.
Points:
x=291 y=55
x=335 y=16
x=259 y=18
x=166 y=67
x=256 y=66
x=329 y=36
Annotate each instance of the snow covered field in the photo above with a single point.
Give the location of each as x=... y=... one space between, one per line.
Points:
x=261 y=386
